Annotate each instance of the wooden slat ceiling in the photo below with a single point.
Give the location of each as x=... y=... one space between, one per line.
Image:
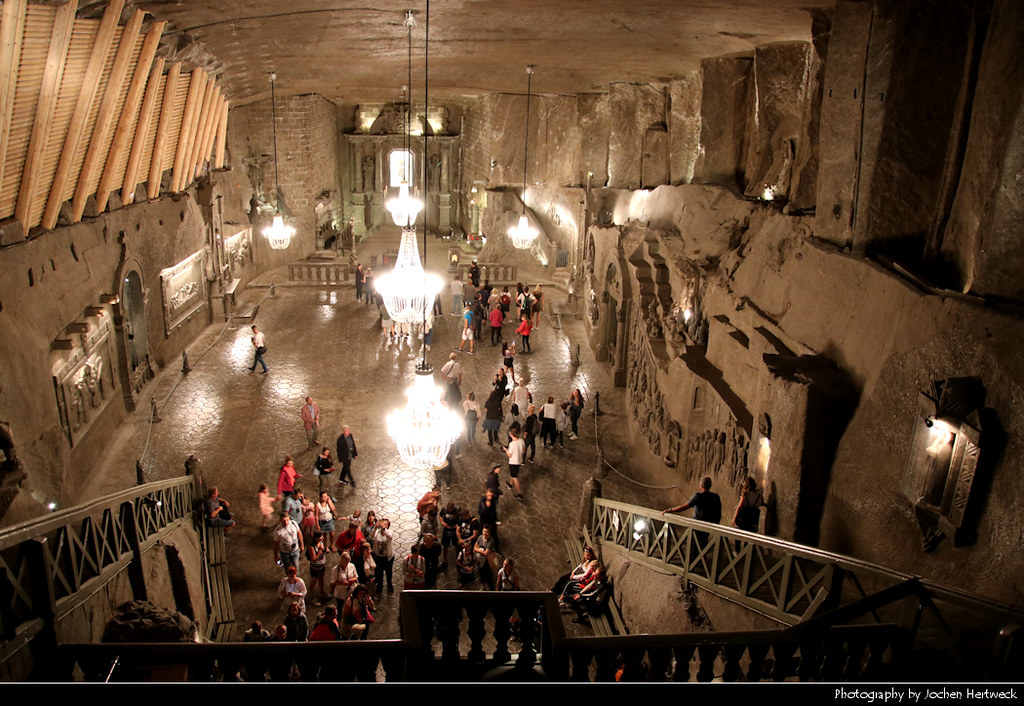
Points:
x=69 y=131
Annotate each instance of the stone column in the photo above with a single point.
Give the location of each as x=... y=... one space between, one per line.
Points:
x=620 y=346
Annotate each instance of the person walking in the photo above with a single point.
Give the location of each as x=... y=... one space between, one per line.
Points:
x=286 y=478
x=346 y=452
x=575 y=412
x=368 y=290
x=508 y=351
x=492 y=415
x=456 y=292
x=259 y=344
x=525 y=327
x=310 y=413
x=515 y=451
x=451 y=372
x=472 y=413
x=538 y=305
x=467 y=329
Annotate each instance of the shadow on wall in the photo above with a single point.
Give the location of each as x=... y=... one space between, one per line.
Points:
x=833 y=397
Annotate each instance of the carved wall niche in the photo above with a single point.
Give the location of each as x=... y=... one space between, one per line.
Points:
x=722 y=452
x=83 y=375
x=184 y=291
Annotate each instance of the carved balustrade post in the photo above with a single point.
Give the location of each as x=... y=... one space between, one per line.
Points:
x=476 y=610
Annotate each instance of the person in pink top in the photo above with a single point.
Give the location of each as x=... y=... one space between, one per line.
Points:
x=286 y=478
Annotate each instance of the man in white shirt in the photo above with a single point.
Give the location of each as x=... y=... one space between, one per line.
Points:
x=521 y=397
x=259 y=343
x=452 y=374
x=515 y=451
x=456 y=291
x=287 y=542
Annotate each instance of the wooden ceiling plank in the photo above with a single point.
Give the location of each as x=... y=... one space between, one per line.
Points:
x=97 y=143
x=131 y=172
x=196 y=83
x=194 y=126
x=128 y=113
x=60 y=40
x=156 y=160
x=206 y=154
x=203 y=140
x=222 y=135
x=93 y=72
x=12 y=27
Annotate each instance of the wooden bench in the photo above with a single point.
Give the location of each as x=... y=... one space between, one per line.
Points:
x=222 y=614
x=610 y=621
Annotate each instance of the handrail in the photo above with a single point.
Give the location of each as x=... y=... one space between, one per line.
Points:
x=724 y=538
x=812 y=590
x=15 y=534
x=51 y=565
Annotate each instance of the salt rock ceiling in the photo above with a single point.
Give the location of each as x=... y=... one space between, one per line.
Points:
x=357 y=51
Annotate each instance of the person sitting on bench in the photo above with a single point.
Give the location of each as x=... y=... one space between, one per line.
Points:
x=593 y=598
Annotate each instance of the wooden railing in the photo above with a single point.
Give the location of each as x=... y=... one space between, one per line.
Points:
x=810 y=589
x=318 y=272
x=49 y=567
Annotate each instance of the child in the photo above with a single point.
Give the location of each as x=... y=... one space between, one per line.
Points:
x=266 y=505
x=509 y=350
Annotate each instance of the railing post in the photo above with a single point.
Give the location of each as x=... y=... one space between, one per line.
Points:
x=44 y=601
x=136 y=575
x=591 y=491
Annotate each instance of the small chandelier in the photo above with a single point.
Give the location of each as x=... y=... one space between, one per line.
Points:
x=408 y=290
x=523 y=234
x=425 y=428
x=404 y=208
x=278 y=234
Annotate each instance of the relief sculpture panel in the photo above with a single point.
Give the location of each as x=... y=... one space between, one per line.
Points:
x=184 y=290
x=84 y=381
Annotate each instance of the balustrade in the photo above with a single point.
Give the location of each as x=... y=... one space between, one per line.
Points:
x=318 y=272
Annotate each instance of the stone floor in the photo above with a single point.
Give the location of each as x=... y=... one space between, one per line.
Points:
x=322 y=343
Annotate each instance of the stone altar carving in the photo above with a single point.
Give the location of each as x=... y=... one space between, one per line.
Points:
x=184 y=290
x=238 y=251
x=84 y=381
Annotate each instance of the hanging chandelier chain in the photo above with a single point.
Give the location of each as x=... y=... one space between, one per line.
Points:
x=526 y=148
x=426 y=158
x=273 y=124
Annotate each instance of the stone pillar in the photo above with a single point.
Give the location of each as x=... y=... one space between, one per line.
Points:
x=620 y=346
x=444 y=213
x=591 y=490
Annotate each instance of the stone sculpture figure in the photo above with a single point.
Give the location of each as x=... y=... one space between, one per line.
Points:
x=368 y=173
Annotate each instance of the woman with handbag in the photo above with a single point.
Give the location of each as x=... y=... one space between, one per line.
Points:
x=325 y=517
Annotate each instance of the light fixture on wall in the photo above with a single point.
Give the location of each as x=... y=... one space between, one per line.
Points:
x=425 y=428
x=523 y=234
x=278 y=234
x=408 y=290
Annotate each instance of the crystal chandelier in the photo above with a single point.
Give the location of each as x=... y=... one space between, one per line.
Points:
x=523 y=234
x=278 y=234
x=408 y=290
x=425 y=428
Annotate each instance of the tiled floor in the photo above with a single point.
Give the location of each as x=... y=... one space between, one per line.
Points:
x=322 y=343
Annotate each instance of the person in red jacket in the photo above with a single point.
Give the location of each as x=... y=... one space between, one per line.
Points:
x=525 y=327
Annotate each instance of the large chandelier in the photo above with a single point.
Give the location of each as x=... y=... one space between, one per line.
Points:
x=523 y=234
x=425 y=428
x=277 y=233
x=408 y=290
